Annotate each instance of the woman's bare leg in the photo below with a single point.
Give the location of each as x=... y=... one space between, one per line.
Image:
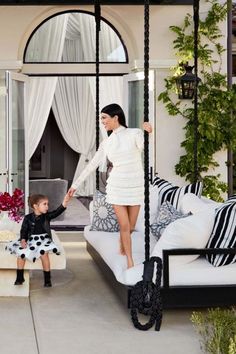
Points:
x=45 y=262
x=122 y=251
x=123 y=220
x=133 y=211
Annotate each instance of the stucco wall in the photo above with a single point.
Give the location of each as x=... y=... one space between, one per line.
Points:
x=17 y=23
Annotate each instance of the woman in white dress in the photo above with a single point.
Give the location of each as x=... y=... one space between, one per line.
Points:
x=125 y=184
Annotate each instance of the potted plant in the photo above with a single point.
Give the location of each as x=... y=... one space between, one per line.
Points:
x=217 y=330
x=11 y=207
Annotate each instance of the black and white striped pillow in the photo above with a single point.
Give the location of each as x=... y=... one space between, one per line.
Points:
x=174 y=194
x=223 y=234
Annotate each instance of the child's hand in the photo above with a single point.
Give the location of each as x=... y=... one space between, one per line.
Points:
x=66 y=199
x=23 y=243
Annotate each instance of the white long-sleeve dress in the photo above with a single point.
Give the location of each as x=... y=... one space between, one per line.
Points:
x=125 y=184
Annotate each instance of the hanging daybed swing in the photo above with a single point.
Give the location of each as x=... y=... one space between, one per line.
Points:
x=145 y=295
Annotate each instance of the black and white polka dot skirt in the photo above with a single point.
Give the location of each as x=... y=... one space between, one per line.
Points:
x=37 y=246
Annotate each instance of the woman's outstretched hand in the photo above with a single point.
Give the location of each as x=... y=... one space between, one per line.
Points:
x=147 y=127
x=71 y=191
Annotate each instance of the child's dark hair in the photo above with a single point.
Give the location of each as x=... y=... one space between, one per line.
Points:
x=35 y=199
x=115 y=110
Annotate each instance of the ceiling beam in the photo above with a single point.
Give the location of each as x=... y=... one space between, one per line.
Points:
x=91 y=2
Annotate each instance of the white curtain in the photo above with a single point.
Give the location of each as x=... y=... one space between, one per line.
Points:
x=40 y=96
x=111 y=91
x=72 y=51
x=111 y=48
x=48 y=41
x=74 y=112
x=41 y=90
x=73 y=105
x=73 y=39
x=80 y=46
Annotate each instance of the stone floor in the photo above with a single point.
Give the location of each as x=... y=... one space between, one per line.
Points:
x=80 y=314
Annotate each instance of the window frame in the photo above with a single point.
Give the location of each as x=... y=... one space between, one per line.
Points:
x=78 y=62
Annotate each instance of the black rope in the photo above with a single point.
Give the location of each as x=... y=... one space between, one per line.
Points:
x=146 y=135
x=97 y=11
x=195 y=122
x=146 y=296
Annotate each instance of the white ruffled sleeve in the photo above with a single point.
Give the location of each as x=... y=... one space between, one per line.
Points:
x=139 y=139
x=94 y=163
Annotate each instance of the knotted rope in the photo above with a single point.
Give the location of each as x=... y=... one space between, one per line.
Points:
x=146 y=296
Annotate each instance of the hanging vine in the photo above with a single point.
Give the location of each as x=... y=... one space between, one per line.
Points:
x=217 y=124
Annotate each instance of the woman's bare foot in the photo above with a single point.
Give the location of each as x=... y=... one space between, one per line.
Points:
x=130 y=263
x=122 y=251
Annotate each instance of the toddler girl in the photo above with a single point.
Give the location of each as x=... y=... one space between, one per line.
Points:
x=36 y=238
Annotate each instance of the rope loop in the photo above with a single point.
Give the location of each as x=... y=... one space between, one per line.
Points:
x=146 y=297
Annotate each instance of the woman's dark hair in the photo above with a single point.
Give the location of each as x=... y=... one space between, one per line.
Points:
x=115 y=110
x=35 y=199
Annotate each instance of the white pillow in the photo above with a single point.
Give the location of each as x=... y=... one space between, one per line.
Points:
x=192 y=203
x=191 y=232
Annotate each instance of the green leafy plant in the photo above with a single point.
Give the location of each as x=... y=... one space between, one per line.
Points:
x=217 y=329
x=232 y=345
x=216 y=103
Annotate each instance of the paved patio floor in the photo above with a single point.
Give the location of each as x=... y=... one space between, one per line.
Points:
x=80 y=314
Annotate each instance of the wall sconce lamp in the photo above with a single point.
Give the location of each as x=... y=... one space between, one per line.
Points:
x=186 y=83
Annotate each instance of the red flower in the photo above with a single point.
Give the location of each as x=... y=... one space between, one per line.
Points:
x=13 y=204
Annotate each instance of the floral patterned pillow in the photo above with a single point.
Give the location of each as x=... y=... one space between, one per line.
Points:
x=167 y=214
x=104 y=217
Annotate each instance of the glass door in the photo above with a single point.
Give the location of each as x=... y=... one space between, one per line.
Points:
x=134 y=106
x=16 y=147
x=3 y=136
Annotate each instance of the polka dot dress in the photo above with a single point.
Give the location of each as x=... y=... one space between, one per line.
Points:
x=37 y=245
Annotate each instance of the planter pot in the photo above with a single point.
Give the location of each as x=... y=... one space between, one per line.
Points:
x=5 y=222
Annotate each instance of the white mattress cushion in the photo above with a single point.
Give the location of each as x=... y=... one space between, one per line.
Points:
x=201 y=272
x=197 y=272
x=107 y=245
x=190 y=232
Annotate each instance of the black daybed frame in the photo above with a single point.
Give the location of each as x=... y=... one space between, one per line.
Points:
x=176 y=296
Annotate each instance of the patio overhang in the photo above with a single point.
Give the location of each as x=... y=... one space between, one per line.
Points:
x=91 y=2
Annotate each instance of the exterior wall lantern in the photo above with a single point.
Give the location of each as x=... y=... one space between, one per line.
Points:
x=186 y=83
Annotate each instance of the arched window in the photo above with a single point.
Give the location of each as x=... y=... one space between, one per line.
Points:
x=69 y=37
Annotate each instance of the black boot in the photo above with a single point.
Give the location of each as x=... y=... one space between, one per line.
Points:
x=19 y=277
x=47 y=279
